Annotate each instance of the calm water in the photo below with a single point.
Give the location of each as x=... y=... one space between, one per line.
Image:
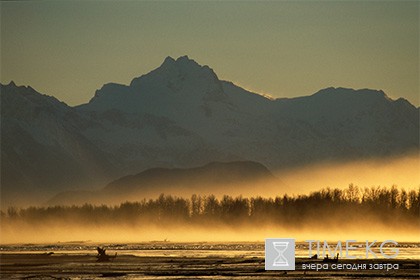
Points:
x=204 y=249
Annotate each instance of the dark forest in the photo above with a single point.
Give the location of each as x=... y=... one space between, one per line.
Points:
x=388 y=205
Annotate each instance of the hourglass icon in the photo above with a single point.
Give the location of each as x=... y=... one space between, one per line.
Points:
x=280 y=247
x=279 y=254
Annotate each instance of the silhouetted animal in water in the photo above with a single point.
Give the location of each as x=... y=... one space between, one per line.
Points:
x=315 y=256
x=328 y=260
x=100 y=251
x=102 y=256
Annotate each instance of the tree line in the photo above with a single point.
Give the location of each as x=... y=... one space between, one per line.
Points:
x=383 y=204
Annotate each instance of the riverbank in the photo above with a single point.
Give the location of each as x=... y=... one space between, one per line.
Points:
x=84 y=266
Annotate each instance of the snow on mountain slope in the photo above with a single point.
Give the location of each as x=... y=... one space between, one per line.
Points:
x=361 y=122
x=166 y=91
x=179 y=96
x=42 y=151
x=226 y=119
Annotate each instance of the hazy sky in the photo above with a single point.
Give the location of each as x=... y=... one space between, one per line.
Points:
x=282 y=48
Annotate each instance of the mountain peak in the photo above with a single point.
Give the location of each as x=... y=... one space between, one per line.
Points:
x=183 y=64
x=164 y=90
x=175 y=73
x=15 y=88
x=186 y=60
x=10 y=85
x=168 y=61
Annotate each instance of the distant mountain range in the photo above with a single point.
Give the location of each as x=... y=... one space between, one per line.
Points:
x=181 y=115
x=214 y=178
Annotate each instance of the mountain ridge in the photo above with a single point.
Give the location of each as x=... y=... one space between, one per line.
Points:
x=181 y=115
x=212 y=178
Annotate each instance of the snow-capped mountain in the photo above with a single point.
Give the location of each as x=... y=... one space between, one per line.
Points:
x=198 y=118
x=42 y=150
x=182 y=115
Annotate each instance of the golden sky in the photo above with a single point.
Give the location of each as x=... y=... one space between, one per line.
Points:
x=69 y=49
